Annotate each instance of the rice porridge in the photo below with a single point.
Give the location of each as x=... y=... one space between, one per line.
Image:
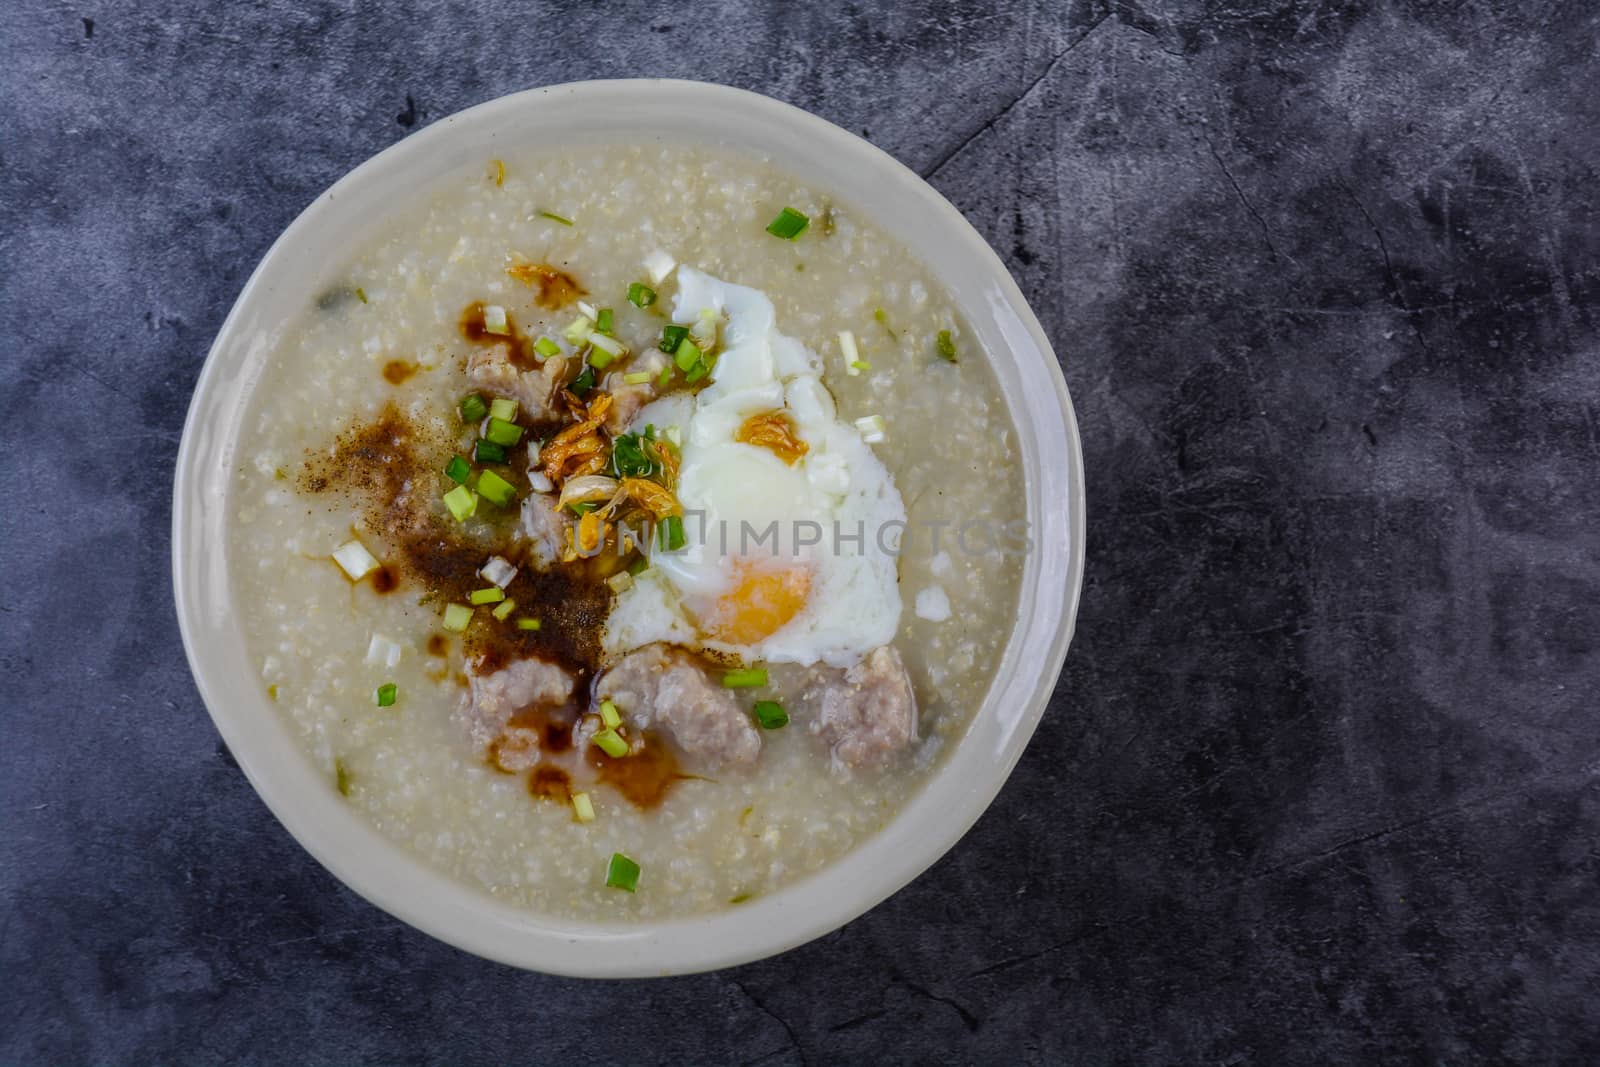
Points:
x=628 y=530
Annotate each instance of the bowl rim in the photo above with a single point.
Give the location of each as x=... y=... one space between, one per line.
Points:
x=389 y=876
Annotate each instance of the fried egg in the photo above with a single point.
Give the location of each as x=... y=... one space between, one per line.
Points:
x=792 y=522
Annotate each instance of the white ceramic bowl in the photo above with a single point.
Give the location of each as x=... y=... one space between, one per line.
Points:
x=822 y=155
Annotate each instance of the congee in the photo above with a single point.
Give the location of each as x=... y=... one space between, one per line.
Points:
x=627 y=531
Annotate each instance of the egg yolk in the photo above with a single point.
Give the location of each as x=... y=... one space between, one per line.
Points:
x=761 y=602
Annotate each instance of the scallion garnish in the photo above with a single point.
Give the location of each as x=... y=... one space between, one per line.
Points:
x=386 y=694
x=583 y=807
x=847 y=346
x=749 y=678
x=473 y=408
x=700 y=371
x=501 y=408
x=788 y=225
x=546 y=347
x=672 y=336
x=361 y=294
x=495 y=321
x=528 y=624
x=457 y=617
x=671 y=536
x=604 y=349
x=498 y=570
x=639 y=566
x=638 y=377
x=873 y=429
x=883 y=320
x=641 y=295
x=687 y=355
x=492 y=595
x=604 y=320
x=503 y=610
x=860 y=366
x=622 y=873
x=354 y=559
x=611 y=743
x=610 y=715
x=582 y=383
x=458 y=470
x=496 y=489
x=502 y=432
x=462 y=502
x=553 y=217
x=666 y=376
x=946 y=346
x=578 y=330
x=485 y=451
x=770 y=714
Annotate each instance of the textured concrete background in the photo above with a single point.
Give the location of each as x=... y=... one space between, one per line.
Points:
x=1321 y=780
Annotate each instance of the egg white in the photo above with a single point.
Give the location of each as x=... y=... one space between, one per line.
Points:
x=853 y=603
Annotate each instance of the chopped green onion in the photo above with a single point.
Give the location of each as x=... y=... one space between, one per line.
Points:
x=386 y=694
x=583 y=507
x=546 y=347
x=770 y=714
x=462 y=502
x=641 y=295
x=873 y=429
x=473 y=409
x=675 y=435
x=611 y=743
x=503 y=610
x=501 y=408
x=582 y=383
x=492 y=595
x=946 y=346
x=789 y=224
x=847 y=346
x=883 y=320
x=622 y=873
x=457 y=617
x=488 y=452
x=603 y=321
x=666 y=376
x=553 y=217
x=610 y=715
x=605 y=349
x=361 y=294
x=354 y=559
x=700 y=371
x=583 y=807
x=638 y=377
x=496 y=489
x=639 y=566
x=342 y=777
x=687 y=355
x=672 y=336
x=671 y=536
x=578 y=330
x=749 y=678
x=528 y=624
x=458 y=470
x=860 y=366
x=502 y=432
x=495 y=321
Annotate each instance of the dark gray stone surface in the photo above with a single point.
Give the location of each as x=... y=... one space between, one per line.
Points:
x=1322 y=778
